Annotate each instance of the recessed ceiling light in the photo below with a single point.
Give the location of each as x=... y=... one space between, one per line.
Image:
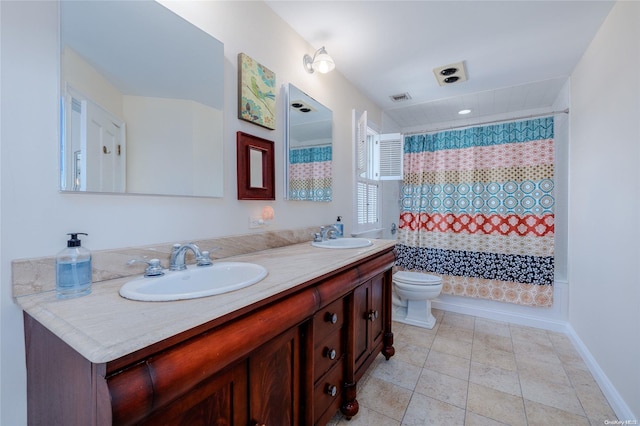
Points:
x=451 y=79
x=464 y=111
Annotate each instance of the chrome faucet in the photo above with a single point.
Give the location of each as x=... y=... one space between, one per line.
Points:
x=329 y=232
x=178 y=254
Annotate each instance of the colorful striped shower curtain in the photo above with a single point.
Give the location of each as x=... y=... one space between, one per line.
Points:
x=477 y=209
x=310 y=173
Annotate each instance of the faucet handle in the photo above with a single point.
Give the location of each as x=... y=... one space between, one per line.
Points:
x=154 y=267
x=204 y=259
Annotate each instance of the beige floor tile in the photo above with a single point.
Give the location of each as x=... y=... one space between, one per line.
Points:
x=458 y=333
x=448 y=364
x=473 y=419
x=488 y=326
x=543 y=415
x=417 y=336
x=539 y=370
x=367 y=417
x=485 y=354
x=496 y=378
x=387 y=398
x=452 y=346
x=476 y=372
x=458 y=320
x=410 y=353
x=493 y=341
x=530 y=334
x=552 y=394
x=496 y=405
x=443 y=387
x=423 y=410
x=595 y=405
x=398 y=372
x=531 y=350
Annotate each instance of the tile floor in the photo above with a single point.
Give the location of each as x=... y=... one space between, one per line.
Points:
x=474 y=371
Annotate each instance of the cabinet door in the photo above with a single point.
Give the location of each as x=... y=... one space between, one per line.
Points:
x=368 y=300
x=220 y=400
x=361 y=324
x=376 y=310
x=275 y=381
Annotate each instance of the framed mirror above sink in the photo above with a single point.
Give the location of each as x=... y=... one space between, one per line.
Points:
x=309 y=148
x=142 y=96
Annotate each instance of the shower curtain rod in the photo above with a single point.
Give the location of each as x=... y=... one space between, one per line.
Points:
x=564 y=111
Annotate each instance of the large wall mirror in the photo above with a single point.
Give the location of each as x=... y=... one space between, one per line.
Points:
x=309 y=148
x=142 y=101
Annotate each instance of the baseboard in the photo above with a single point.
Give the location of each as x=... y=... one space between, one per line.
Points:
x=619 y=406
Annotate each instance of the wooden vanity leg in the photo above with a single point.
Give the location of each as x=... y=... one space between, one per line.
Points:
x=350 y=406
x=388 y=350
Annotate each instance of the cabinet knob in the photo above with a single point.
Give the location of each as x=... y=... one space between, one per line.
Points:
x=331 y=390
x=330 y=317
x=330 y=353
x=373 y=315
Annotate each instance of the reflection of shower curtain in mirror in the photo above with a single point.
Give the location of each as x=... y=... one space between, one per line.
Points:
x=477 y=209
x=310 y=173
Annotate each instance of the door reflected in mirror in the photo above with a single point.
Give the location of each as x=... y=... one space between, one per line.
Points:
x=142 y=101
x=309 y=148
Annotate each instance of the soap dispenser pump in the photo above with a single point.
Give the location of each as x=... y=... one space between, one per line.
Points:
x=73 y=269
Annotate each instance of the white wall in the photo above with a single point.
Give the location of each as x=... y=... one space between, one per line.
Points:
x=604 y=233
x=36 y=217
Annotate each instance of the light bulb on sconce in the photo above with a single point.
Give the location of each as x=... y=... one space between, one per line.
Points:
x=264 y=219
x=321 y=62
x=267 y=213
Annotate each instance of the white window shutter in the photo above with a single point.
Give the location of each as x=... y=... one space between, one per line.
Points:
x=362 y=158
x=391 y=152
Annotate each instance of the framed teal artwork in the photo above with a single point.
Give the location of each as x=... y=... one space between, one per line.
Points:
x=256 y=92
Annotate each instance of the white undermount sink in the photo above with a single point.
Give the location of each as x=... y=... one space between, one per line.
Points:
x=194 y=282
x=343 y=243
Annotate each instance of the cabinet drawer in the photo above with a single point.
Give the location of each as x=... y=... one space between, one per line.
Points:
x=327 y=391
x=327 y=353
x=328 y=320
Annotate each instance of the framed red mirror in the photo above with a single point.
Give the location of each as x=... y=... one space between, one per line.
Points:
x=255 y=168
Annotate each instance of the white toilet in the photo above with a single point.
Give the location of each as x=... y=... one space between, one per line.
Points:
x=412 y=294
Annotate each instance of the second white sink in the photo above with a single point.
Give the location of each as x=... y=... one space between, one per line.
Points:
x=343 y=243
x=194 y=282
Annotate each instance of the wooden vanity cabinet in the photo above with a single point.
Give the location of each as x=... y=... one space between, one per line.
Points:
x=291 y=360
x=263 y=389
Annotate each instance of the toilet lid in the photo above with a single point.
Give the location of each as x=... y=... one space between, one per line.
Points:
x=417 y=278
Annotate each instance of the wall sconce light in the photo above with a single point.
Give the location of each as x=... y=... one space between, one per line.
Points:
x=265 y=218
x=321 y=61
x=267 y=213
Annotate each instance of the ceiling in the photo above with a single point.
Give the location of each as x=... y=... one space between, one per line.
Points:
x=517 y=54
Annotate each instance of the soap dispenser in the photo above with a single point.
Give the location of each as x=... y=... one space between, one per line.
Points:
x=339 y=227
x=73 y=269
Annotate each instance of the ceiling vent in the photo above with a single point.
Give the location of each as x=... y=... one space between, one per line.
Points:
x=400 y=98
x=449 y=74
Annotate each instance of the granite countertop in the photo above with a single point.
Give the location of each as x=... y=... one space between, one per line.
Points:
x=104 y=326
